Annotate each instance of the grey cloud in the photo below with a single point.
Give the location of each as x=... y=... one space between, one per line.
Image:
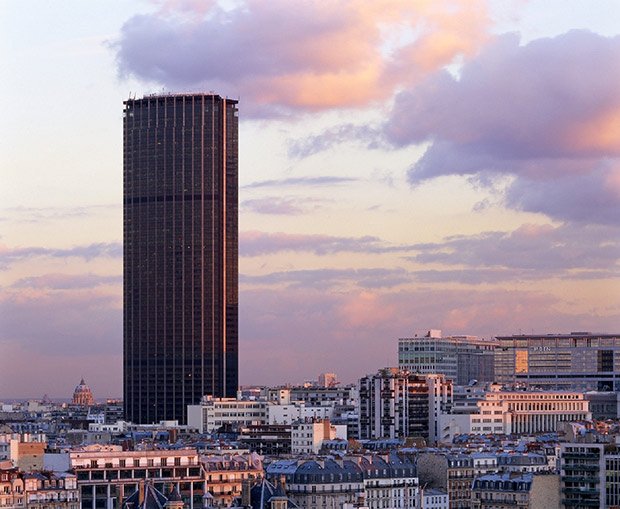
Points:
x=231 y=45
x=288 y=205
x=517 y=101
x=67 y=281
x=87 y=252
x=473 y=276
x=302 y=182
x=326 y=278
x=370 y=137
x=537 y=113
x=256 y=243
x=476 y=276
x=579 y=198
x=70 y=323
x=44 y=214
x=545 y=249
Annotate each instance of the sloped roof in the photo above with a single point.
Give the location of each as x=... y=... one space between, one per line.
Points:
x=152 y=498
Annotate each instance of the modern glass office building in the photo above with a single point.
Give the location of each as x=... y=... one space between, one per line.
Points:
x=462 y=359
x=180 y=290
x=580 y=361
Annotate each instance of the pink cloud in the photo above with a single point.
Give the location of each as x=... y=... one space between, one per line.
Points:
x=550 y=98
x=256 y=243
x=307 y=331
x=546 y=113
x=364 y=310
x=305 y=54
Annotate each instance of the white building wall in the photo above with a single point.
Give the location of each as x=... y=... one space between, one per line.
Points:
x=212 y=414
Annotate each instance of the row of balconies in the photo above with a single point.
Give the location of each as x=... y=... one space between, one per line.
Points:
x=70 y=496
x=128 y=474
x=581 y=455
x=581 y=491
x=580 y=478
x=580 y=502
x=578 y=467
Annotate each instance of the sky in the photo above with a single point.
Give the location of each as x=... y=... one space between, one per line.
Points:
x=404 y=165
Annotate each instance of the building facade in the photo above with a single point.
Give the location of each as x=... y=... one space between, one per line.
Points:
x=453 y=473
x=399 y=404
x=226 y=473
x=107 y=475
x=215 y=413
x=382 y=482
x=47 y=490
x=267 y=439
x=517 y=413
x=516 y=491
x=180 y=326
x=461 y=358
x=582 y=475
x=307 y=436
x=37 y=490
x=579 y=361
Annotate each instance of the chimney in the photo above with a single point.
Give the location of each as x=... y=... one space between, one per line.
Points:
x=141 y=493
x=361 y=499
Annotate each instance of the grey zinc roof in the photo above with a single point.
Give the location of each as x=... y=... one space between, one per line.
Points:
x=153 y=498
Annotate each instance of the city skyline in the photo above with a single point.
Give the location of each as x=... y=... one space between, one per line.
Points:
x=403 y=166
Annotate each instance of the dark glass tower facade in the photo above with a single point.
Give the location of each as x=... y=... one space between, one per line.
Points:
x=180 y=272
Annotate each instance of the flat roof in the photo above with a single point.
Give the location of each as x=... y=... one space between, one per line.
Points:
x=179 y=95
x=561 y=336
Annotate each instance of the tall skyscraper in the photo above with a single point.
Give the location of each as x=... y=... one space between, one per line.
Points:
x=180 y=253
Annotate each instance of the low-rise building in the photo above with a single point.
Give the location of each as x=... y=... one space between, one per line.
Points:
x=381 y=481
x=266 y=439
x=484 y=463
x=525 y=462
x=25 y=450
x=297 y=411
x=516 y=412
x=516 y=490
x=215 y=413
x=47 y=490
x=226 y=473
x=319 y=482
x=451 y=472
x=390 y=481
x=307 y=436
x=107 y=474
x=432 y=498
x=12 y=493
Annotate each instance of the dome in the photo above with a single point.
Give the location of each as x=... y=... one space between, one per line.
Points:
x=82 y=395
